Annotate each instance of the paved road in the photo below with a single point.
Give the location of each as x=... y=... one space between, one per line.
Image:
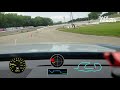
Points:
x=50 y=34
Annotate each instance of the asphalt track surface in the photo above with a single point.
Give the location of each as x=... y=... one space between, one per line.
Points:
x=52 y=35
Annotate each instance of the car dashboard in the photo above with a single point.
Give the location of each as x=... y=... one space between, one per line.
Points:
x=57 y=65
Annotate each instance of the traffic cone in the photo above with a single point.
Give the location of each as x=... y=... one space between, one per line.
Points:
x=31 y=34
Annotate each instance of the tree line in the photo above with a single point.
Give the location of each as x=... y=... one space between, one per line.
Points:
x=15 y=20
x=79 y=19
x=109 y=13
x=93 y=16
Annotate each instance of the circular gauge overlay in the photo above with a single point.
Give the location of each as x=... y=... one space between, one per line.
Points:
x=57 y=60
x=17 y=65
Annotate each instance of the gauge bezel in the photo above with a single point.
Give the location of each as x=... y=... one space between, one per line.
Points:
x=14 y=59
x=60 y=57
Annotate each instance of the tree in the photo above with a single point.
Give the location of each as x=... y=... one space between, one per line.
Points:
x=79 y=19
x=59 y=22
x=94 y=15
x=14 y=20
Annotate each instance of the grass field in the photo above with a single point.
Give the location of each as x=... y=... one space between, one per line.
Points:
x=104 y=29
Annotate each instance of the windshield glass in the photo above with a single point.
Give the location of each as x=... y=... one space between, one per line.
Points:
x=59 y=31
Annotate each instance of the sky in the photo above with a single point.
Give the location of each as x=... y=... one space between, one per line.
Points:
x=55 y=16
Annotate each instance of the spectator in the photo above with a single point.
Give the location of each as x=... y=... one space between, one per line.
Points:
x=73 y=25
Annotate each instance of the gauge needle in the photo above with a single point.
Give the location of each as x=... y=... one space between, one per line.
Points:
x=52 y=60
x=13 y=64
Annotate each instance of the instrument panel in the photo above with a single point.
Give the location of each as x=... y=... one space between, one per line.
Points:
x=57 y=66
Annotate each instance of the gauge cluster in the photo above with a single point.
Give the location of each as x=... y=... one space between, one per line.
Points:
x=58 y=67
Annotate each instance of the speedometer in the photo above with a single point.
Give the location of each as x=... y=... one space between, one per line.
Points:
x=17 y=65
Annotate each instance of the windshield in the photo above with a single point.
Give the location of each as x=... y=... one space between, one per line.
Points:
x=58 y=31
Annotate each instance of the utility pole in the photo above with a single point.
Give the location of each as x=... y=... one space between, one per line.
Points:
x=64 y=19
x=71 y=17
x=64 y=22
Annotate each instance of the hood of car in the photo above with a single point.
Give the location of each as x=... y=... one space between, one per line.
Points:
x=53 y=48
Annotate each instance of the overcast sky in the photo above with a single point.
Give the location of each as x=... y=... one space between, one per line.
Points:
x=55 y=16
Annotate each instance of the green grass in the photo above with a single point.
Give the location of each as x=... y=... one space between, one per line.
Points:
x=104 y=29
